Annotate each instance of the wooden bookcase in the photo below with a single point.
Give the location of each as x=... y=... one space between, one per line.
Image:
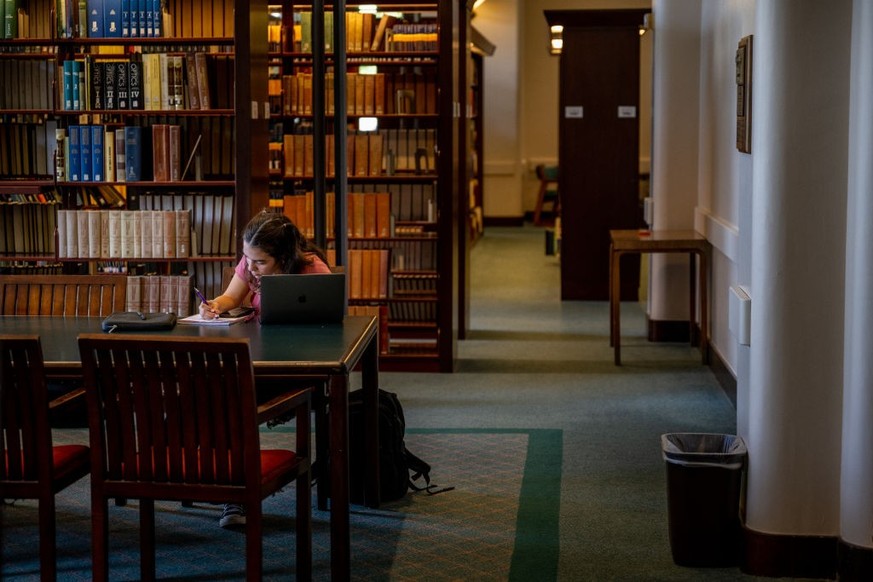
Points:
x=242 y=147
x=390 y=211
x=161 y=82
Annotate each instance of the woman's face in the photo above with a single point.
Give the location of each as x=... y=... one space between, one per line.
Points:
x=258 y=262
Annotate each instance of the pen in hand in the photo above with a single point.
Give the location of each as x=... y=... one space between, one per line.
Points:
x=204 y=301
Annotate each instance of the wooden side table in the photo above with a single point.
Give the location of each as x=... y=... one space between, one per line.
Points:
x=665 y=241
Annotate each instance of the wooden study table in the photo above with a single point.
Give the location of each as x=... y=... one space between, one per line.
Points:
x=624 y=242
x=323 y=353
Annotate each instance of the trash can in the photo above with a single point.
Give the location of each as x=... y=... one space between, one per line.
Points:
x=704 y=480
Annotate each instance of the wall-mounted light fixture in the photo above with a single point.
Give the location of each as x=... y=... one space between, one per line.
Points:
x=646 y=26
x=477 y=4
x=556 y=39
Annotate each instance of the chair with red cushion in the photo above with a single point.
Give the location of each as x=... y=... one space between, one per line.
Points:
x=30 y=466
x=176 y=419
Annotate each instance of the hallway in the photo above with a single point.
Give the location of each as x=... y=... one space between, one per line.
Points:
x=533 y=361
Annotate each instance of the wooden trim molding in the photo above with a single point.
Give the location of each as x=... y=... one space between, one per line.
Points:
x=792 y=556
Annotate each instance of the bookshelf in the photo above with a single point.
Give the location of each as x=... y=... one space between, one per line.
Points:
x=391 y=209
x=120 y=144
x=260 y=133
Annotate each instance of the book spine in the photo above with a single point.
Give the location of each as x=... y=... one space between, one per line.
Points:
x=121 y=87
x=112 y=18
x=75 y=154
x=133 y=153
x=85 y=149
x=95 y=19
x=120 y=156
x=97 y=153
x=135 y=83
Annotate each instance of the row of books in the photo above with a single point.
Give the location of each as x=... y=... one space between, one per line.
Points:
x=413 y=311
x=31 y=268
x=109 y=153
x=385 y=152
x=100 y=153
x=97 y=234
x=368 y=214
x=109 y=18
x=27 y=84
x=27 y=229
x=406 y=255
x=367 y=275
x=160 y=294
x=29 y=196
x=28 y=150
x=364 y=33
x=410 y=202
x=212 y=217
x=151 y=81
x=366 y=94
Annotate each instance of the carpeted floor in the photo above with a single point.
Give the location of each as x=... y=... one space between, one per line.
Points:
x=508 y=479
x=536 y=421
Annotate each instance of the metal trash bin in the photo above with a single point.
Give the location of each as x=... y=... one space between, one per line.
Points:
x=704 y=482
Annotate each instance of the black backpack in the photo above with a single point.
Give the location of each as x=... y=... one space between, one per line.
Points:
x=396 y=462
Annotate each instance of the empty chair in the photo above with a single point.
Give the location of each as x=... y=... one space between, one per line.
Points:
x=30 y=466
x=547 y=192
x=176 y=419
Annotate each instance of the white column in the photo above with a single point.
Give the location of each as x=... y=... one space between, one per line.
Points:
x=675 y=135
x=856 y=495
x=800 y=88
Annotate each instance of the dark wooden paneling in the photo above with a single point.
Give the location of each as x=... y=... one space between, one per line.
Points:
x=599 y=156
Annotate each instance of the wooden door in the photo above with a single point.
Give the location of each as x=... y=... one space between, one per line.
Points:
x=598 y=153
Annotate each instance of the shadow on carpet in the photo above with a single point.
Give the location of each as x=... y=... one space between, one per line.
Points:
x=499 y=523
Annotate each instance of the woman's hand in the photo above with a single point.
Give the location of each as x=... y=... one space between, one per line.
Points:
x=210 y=310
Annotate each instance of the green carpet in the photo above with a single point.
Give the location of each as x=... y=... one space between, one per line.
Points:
x=499 y=522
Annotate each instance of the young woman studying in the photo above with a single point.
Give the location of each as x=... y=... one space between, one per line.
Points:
x=272 y=244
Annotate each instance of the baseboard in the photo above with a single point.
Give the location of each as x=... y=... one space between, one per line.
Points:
x=503 y=221
x=855 y=564
x=777 y=556
x=723 y=375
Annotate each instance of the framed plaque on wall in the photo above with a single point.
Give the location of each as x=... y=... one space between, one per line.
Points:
x=744 y=95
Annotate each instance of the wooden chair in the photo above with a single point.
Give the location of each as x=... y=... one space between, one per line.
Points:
x=547 y=193
x=62 y=295
x=30 y=467
x=189 y=405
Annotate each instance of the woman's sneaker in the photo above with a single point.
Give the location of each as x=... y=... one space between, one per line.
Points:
x=233 y=515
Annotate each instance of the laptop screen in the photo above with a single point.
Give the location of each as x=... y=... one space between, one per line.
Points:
x=312 y=298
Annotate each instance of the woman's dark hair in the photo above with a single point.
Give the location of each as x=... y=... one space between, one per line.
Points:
x=276 y=235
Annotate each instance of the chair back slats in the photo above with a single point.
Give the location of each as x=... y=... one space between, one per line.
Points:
x=25 y=436
x=171 y=411
x=62 y=295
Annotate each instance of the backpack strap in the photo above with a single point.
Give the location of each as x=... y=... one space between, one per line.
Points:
x=421 y=470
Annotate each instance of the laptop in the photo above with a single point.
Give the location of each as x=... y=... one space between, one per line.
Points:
x=312 y=298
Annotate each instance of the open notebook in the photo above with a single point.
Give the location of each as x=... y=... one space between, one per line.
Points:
x=313 y=298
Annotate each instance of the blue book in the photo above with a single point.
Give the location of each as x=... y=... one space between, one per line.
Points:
x=125 y=18
x=112 y=18
x=157 y=16
x=75 y=160
x=85 y=149
x=96 y=12
x=133 y=153
x=97 y=153
x=141 y=6
x=149 y=18
x=76 y=82
x=68 y=85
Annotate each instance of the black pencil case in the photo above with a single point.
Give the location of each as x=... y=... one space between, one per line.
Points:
x=138 y=321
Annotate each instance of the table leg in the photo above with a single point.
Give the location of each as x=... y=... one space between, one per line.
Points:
x=370 y=386
x=692 y=296
x=340 y=553
x=615 y=305
x=611 y=323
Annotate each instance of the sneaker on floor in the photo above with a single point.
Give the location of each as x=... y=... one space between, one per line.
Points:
x=233 y=515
